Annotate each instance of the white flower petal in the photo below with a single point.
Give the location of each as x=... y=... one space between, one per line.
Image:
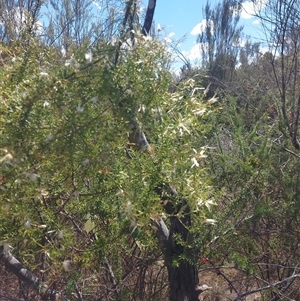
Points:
x=194 y=162
x=210 y=221
x=67 y=265
x=94 y=100
x=27 y=224
x=89 y=57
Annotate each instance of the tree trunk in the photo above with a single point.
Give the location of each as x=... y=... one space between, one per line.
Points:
x=149 y=17
x=182 y=274
x=183 y=278
x=183 y=282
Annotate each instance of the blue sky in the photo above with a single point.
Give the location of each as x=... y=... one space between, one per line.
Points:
x=183 y=17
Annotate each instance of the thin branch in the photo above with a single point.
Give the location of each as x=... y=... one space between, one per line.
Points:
x=267 y=287
x=286 y=149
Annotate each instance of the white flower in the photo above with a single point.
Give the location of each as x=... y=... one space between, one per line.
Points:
x=33 y=177
x=214 y=99
x=63 y=51
x=158 y=27
x=46 y=104
x=44 y=192
x=79 y=109
x=194 y=162
x=94 y=100
x=128 y=209
x=49 y=138
x=27 y=224
x=199 y=112
x=67 y=265
x=60 y=234
x=89 y=57
x=202 y=155
x=42 y=73
x=85 y=162
x=71 y=62
x=210 y=221
x=7 y=159
x=7 y=248
x=168 y=40
x=147 y=38
x=209 y=203
x=200 y=202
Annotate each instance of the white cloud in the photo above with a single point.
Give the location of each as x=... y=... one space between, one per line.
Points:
x=263 y=50
x=194 y=54
x=256 y=21
x=97 y=5
x=168 y=38
x=250 y=8
x=200 y=27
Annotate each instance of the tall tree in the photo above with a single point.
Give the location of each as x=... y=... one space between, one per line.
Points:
x=220 y=38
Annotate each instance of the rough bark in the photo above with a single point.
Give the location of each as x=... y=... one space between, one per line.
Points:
x=182 y=274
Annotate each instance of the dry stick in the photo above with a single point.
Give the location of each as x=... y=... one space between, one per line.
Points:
x=27 y=276
x=219 y=272
x=267 y=287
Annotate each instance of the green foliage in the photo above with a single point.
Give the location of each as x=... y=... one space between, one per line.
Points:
x=69 y=189
x=258 y=192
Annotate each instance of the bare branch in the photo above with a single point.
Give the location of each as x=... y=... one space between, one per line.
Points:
x=163 y=233
x=27 y=276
